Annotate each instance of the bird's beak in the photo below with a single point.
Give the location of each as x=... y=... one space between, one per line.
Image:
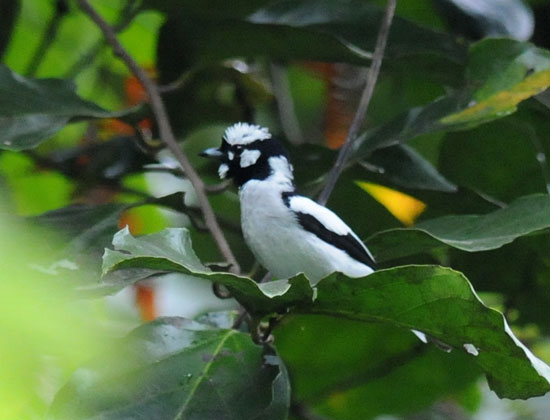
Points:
x=212 y=153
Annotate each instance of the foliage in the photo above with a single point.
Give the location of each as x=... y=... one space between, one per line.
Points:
x=459 y=121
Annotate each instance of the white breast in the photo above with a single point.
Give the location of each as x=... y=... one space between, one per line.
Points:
x=279 y=243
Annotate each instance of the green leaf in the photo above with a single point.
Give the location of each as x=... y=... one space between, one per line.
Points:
x=90 y=228
x=402 y=166
x=212 y=94
x=441 y=303
x=503 y=159
x=500 y=74
x=33 y=110
x=364 y=366
x=174 y=368
x=171 y=251
x=470 y=233
x=322 y=30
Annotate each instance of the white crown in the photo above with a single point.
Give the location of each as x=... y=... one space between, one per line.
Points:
x=244 y=133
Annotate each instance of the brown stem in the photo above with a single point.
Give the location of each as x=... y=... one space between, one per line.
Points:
x=366 y=96
x=165 y=131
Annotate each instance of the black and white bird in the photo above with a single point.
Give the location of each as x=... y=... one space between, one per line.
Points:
x=288 y=233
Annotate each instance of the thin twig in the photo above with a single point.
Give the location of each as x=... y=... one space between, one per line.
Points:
x=126 y=16
x=361 y=113
x=165 y=131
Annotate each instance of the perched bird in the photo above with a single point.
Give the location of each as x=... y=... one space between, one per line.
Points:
x=288 y=233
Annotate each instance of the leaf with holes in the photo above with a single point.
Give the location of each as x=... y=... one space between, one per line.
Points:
x=441 y=303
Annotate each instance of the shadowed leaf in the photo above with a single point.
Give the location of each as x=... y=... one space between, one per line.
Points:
x=33 y=110
x=174 y=368
x=470 y=233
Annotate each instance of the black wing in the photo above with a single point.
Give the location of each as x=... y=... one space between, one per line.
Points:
x=347 y=243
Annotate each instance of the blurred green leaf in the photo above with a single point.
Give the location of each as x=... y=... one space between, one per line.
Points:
x=43 y=107
x=170 y=251
x=212 y=94
x=89 y=228
x=379 y=362
x=39 y=348
x=333 y=31
x=441 y=303
x=470 y=233
x=174 y=368
x=500 y=74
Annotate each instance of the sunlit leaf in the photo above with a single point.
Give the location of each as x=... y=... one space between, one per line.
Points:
x=402 y=206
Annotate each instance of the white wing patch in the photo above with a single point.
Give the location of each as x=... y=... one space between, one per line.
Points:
x=244 y=133
x=325 y=216
x=222 y=170
x=249 y=157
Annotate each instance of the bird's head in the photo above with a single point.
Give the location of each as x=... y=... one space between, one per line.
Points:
x=250 y=152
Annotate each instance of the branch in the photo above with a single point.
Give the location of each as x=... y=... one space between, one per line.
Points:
x=125 y=18
x=361 y=113
x=165 y=131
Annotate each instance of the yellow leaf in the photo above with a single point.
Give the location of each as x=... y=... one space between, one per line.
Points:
x=503 y=102
x=402 y=206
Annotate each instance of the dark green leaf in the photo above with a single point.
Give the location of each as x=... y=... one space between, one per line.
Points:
x=171 y=251
x=357 y=22
x=90 y=228
x=173 y=368
x=501 y=73
x=33 y=110
x=208 y=8
x=362 y=367
x=323 y=30
x=470 y=233
x=441 y=303
x=503 y=159
x=212 y=94
x=402 y=166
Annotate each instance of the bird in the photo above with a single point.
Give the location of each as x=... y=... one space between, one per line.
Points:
x=288 y=233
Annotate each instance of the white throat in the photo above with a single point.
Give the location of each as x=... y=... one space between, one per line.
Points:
x=281 y=178
x=281 y=172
